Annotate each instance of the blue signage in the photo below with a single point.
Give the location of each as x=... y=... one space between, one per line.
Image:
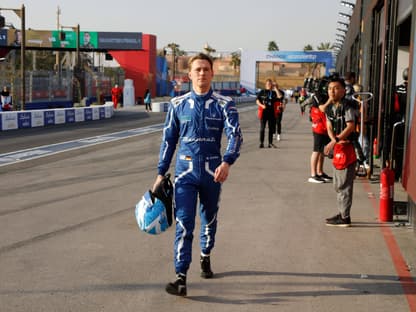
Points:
x=102 y=112
x=70 y=115
x=88 y=114
x=302 y=57
x=3 y=37
x=24 y=120
x=49 y=117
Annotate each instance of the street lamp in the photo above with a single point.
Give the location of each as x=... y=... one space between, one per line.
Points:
x=21 y=14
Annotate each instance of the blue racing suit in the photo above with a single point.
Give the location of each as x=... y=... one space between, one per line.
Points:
x=195 y=123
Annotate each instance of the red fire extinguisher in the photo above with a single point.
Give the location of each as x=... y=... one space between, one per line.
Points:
x=375 y=149
x=386 y=194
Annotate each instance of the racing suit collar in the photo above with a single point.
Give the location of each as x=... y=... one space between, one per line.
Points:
x=204 y=96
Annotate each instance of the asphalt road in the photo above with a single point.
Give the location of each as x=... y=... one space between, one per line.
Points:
x=124 y=118
x=69 y=241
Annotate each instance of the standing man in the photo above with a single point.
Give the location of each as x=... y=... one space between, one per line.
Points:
x=341 y=121
x=266 y=100
x=280 y=106
x=115 y=95
x=6 y=100
x=349 y=85
x=195 y=122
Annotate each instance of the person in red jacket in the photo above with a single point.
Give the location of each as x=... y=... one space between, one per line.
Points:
x=115 y=95
x=320 y=139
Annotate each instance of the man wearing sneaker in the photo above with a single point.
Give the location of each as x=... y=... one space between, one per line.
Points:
x=195 y=123
x=340 y=114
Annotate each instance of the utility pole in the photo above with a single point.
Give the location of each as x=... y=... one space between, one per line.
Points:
x=22 y=57
x=58 y=61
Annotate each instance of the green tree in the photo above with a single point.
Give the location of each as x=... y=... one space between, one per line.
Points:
x=175 y=52
x=272 y=46
x=307 y=47
x=208 y=49
x=235 y=60
x=325 y=46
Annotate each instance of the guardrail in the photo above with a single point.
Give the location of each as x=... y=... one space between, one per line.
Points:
x=46 y=117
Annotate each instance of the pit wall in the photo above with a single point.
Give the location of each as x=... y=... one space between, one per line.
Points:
x=46 y=117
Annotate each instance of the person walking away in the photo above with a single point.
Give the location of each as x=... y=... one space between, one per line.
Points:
x=115 y=95
x=280 y=106
x=148 y=100
x=266 y=108
x=195 y=123
x=341 y=122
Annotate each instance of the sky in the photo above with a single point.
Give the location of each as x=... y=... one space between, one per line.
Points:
x=225 y=25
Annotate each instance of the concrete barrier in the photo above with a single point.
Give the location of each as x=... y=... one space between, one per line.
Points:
x=45 y=117
x=160 y=107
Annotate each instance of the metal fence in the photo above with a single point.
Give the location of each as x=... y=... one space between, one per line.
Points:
x=55 y=87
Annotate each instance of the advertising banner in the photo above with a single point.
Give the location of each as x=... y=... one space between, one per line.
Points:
x=9 y=120
x=79 y=114
x=38 y=119
x=59 y=116
x=24 y=120
x=67 y=39
x=88 y=39
x=70 y=115
x=119 y=40
x=39 y=39
x=49 y=118
x=88 y=114
x=3 y=37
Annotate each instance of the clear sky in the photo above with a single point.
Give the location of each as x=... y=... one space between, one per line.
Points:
x=226 y=25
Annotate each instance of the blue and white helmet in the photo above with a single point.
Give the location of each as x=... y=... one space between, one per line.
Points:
x=154 y=211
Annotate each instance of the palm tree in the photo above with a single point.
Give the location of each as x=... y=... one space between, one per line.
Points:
x=272 y=46
x=208 y=49
x=235 y=60
x=308 y=47
x=325 y=46
x=174 y=48
x=175 y=51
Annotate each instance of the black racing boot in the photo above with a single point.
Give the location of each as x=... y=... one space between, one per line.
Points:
x=206 y=267
x=178 y=287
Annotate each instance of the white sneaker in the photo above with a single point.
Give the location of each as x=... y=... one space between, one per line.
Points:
x=315 y=179
x=278 y=137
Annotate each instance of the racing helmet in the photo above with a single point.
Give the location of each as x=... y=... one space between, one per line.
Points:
x=154 y=211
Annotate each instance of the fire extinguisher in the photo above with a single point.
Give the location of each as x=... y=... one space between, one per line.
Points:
x=386 y=194
x=375 y=149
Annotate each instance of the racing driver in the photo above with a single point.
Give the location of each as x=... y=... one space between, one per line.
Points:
x=195 y=122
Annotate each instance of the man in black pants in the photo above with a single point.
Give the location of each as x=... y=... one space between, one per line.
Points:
x=266 y=100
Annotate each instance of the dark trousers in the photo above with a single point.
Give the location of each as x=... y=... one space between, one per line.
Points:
x=270 y=120
x=279 y=123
